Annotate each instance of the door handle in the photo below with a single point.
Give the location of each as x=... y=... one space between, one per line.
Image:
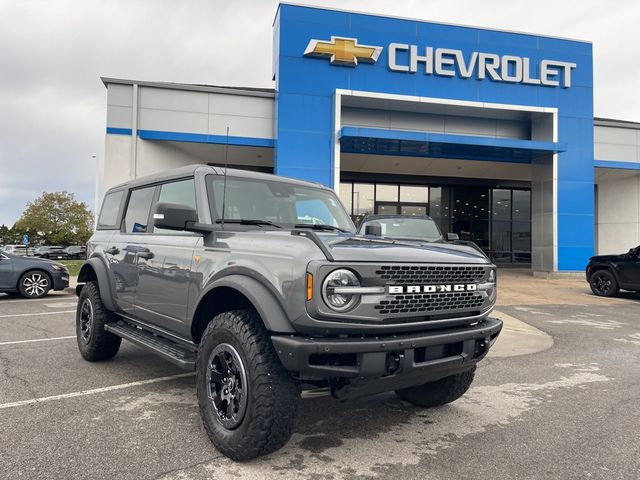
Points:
x=112 y=251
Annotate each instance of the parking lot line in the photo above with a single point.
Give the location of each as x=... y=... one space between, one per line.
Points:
x=37 y=340
x=82 y=393
x=38 y=300
x=36 y=313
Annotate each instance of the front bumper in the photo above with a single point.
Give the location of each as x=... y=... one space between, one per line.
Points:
x=60 y=280
x=375 y=364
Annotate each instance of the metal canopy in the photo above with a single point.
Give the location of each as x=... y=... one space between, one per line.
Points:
x=376 y=141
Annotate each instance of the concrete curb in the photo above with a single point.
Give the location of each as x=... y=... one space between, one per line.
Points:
x=518 y=338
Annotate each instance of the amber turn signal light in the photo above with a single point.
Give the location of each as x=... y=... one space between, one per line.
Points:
x=309 y=287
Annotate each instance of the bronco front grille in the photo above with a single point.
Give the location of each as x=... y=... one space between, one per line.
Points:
x=430 y=302
x=430 y=274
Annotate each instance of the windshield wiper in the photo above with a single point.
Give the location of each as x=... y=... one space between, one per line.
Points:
x=248 y=221
x=320 y=226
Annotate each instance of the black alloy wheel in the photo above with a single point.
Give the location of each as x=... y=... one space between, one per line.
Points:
x=604 y=284
x=86 y=319
x=227 y=385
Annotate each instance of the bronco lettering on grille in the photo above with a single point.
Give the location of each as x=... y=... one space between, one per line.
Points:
x=396 y=289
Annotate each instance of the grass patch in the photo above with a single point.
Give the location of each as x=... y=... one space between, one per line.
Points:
x=73 y=266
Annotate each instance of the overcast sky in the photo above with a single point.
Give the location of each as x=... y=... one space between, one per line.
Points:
x=53 y=52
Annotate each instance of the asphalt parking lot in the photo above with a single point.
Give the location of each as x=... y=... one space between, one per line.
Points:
x=569 y=411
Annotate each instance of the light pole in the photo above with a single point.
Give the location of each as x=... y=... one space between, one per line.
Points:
x=95 y=196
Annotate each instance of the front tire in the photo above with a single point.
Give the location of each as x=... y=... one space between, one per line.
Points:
x=440 y=392
x=34 y=284
x=94 y=342
x=604 y=284
x=247 y=399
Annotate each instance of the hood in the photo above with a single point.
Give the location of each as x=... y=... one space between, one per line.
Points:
x=38 y=260
x=358 y=248
x=608 y=258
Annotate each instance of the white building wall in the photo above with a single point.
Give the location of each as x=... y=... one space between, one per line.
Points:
x=618 y=144
x=175 y=108
x=618 y=213
x=117 y=164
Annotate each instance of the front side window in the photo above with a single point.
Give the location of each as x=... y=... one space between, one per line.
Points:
x=137 y=217
x=276 y=202
x=182 y=192
x=110 y=208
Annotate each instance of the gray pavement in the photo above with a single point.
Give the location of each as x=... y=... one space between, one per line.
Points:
x=571 y=410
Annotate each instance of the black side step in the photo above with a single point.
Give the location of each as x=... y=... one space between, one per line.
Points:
x=171 y=351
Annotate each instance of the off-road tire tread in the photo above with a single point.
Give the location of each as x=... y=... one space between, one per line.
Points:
x=440 y=392
x=102 y=345
x=273 y=391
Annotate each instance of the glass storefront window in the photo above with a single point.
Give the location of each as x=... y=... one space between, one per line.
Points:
x=501 y=205
x=439 y=206
x=521 y=206
x=386 y=193
x=346 y=196
x=521 y=237
x=362 y=199
x=414 y=194
x=498 y=220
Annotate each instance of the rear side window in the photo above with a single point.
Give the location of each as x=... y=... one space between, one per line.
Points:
x=182 y=192
x=137 y=216
x=110 y=207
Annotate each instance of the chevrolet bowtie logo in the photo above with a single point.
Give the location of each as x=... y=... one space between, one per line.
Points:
x=343 y=51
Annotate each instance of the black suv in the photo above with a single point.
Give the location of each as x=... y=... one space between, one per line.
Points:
x=608 y=274
x=261 y=285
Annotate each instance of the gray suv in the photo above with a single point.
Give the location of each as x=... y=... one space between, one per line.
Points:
x=260 y=284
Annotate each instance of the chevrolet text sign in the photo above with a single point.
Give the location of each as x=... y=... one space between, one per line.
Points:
x=445 y=62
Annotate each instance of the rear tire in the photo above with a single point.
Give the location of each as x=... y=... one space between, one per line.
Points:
x=604 y=284
x=440 y=392
x=94 y=342
x=34 y=284
x=248 y=401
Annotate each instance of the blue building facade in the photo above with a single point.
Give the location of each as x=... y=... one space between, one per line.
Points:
x=321 y=57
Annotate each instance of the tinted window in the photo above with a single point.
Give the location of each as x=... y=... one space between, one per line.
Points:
x=110 y=208
x=135 y=221
x=182 y=192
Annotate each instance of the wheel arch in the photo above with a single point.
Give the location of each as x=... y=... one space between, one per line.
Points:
x=94 y=269
x=603 y=266
x=235 y=292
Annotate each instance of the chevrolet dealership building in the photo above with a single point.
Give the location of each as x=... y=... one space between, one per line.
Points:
x=491 y=133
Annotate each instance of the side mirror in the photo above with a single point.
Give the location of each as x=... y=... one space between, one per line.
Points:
x=174 y=216
x=452 y=237
x=374 y=229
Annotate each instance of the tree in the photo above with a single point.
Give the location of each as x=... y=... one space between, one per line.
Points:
x=8 y=235
x=56 y=218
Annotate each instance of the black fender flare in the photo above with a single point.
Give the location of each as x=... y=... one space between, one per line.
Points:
x=104 y=283
x=268 y=307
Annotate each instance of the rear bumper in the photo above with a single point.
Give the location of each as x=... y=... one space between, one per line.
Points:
x=391 y=361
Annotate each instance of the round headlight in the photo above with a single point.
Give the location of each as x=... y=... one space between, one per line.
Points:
x=340 y=301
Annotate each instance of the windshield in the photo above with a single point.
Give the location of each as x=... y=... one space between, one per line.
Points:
x=281 y=203
x=408 y=228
